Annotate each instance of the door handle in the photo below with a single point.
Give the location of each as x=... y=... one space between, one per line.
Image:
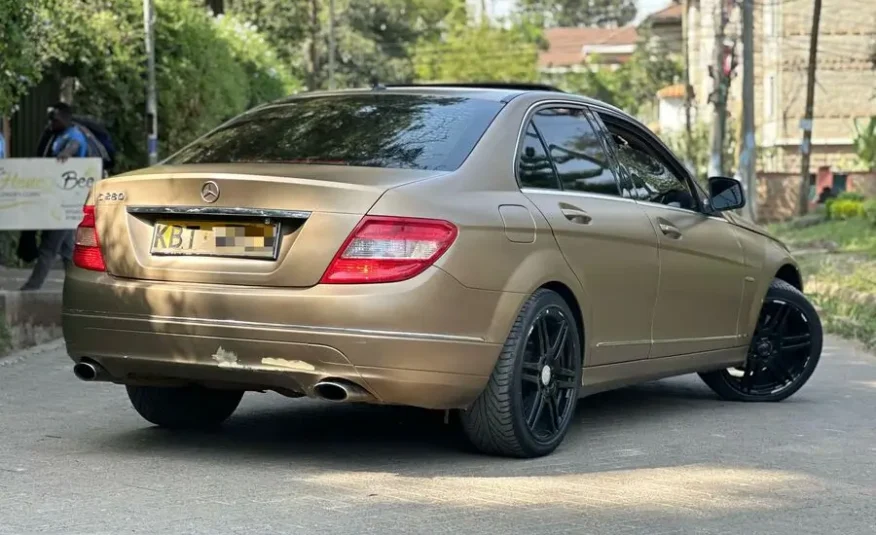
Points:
x=669 y=230
x=576 y=216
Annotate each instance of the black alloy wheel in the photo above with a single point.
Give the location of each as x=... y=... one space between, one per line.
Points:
x=783 y=353
x=549 y=374
x=530 y=399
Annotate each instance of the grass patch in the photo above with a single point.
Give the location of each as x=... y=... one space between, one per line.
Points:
x=851 y=236
x=844 y=314
x=843 y=283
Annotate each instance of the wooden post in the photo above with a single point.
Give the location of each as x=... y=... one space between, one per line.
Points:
x=806 y=123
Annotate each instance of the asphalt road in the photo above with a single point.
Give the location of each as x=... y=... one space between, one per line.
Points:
x=662 y=458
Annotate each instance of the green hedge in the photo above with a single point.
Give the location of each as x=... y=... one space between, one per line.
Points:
x=850 y=205
x=208 y=69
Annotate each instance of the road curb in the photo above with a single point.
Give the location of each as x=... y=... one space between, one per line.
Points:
x=23 y=354
x=30 y=318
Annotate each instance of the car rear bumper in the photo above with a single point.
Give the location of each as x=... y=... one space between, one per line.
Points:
x=428 y=342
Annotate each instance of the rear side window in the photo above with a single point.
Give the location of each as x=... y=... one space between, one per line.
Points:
x=534 y=169
x=373 y=130
x=577 y=150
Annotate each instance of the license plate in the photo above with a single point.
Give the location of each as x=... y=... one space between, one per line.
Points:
x=210 y=238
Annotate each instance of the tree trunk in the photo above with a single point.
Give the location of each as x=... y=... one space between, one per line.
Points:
x=313 y=81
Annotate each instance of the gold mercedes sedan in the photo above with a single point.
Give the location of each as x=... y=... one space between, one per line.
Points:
x=500 y=251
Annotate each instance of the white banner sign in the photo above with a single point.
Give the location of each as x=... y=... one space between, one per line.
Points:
x=43 y=193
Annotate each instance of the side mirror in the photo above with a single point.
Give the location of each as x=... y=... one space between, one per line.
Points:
x=725 y=194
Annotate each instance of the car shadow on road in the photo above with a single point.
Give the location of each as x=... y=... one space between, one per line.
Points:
x=365 y=437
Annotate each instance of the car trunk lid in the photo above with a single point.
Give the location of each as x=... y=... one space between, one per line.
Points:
x=237 y=224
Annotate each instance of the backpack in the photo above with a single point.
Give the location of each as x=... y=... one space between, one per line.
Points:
x=99 y=141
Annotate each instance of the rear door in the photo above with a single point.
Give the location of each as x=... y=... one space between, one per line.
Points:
x=607 y=240
x=702 y=268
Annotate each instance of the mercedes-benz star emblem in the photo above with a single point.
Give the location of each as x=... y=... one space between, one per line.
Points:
x=210 y=191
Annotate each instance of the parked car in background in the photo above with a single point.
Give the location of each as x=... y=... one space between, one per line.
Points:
x=497 y=250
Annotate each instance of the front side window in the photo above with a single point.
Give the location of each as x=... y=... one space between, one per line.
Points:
x=576 y=150
x=534 y=169
x=653 y=180
x=373 y=129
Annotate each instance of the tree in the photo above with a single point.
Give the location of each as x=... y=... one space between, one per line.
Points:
x=479 y=52
x=865 y=143
x=564 y=13
x=285 y=24
x=700 y=147
x=207 y=69
x=375 y=39
x=26 y=48
x=634 y=84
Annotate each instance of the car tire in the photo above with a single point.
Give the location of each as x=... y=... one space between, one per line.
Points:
x=498 y=422
x=801 y=364
x=190 y=407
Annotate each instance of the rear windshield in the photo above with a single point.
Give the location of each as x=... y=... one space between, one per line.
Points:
x=372 y=130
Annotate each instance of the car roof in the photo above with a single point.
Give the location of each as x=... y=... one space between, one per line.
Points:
x=494 y=91
x=498 y=91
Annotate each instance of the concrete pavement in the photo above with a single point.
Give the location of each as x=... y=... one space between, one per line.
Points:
x=663 y=458
x=28 y=318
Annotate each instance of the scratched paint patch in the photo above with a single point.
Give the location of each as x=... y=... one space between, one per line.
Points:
x=225 y=358
x=291 y=364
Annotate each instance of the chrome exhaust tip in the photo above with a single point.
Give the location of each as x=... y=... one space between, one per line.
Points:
x=341 y=391
x=89 y=371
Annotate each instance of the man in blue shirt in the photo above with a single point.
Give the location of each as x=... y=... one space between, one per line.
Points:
x=2 y=145
x=67 y=141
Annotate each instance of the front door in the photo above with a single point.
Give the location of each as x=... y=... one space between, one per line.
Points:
x=702 y=277
x=607 y=240
x=702 y=266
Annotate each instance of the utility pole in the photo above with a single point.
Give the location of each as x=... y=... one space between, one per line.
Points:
x=806 y=123
x=688 y=132
x=331 y=45
x=151 y=100
x=719 y=120
x=747 y=160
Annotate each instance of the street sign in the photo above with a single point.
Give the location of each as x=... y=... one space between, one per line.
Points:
x=43 y=193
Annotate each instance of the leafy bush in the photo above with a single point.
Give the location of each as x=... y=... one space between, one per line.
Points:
x=865 y=143
x=25 y=48
x=207 y=70
x=268 y=77
x=845 y=208
x=870 y=211
x=850 y=196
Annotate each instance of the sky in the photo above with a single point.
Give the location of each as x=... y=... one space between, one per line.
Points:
x=502 y=8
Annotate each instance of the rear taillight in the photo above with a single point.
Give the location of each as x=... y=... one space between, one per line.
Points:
x=389 y=249
x=86 y=252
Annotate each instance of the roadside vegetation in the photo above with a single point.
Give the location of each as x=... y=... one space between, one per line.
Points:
x=838 y=258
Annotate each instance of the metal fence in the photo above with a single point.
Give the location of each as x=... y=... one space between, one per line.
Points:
x=28 y=122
